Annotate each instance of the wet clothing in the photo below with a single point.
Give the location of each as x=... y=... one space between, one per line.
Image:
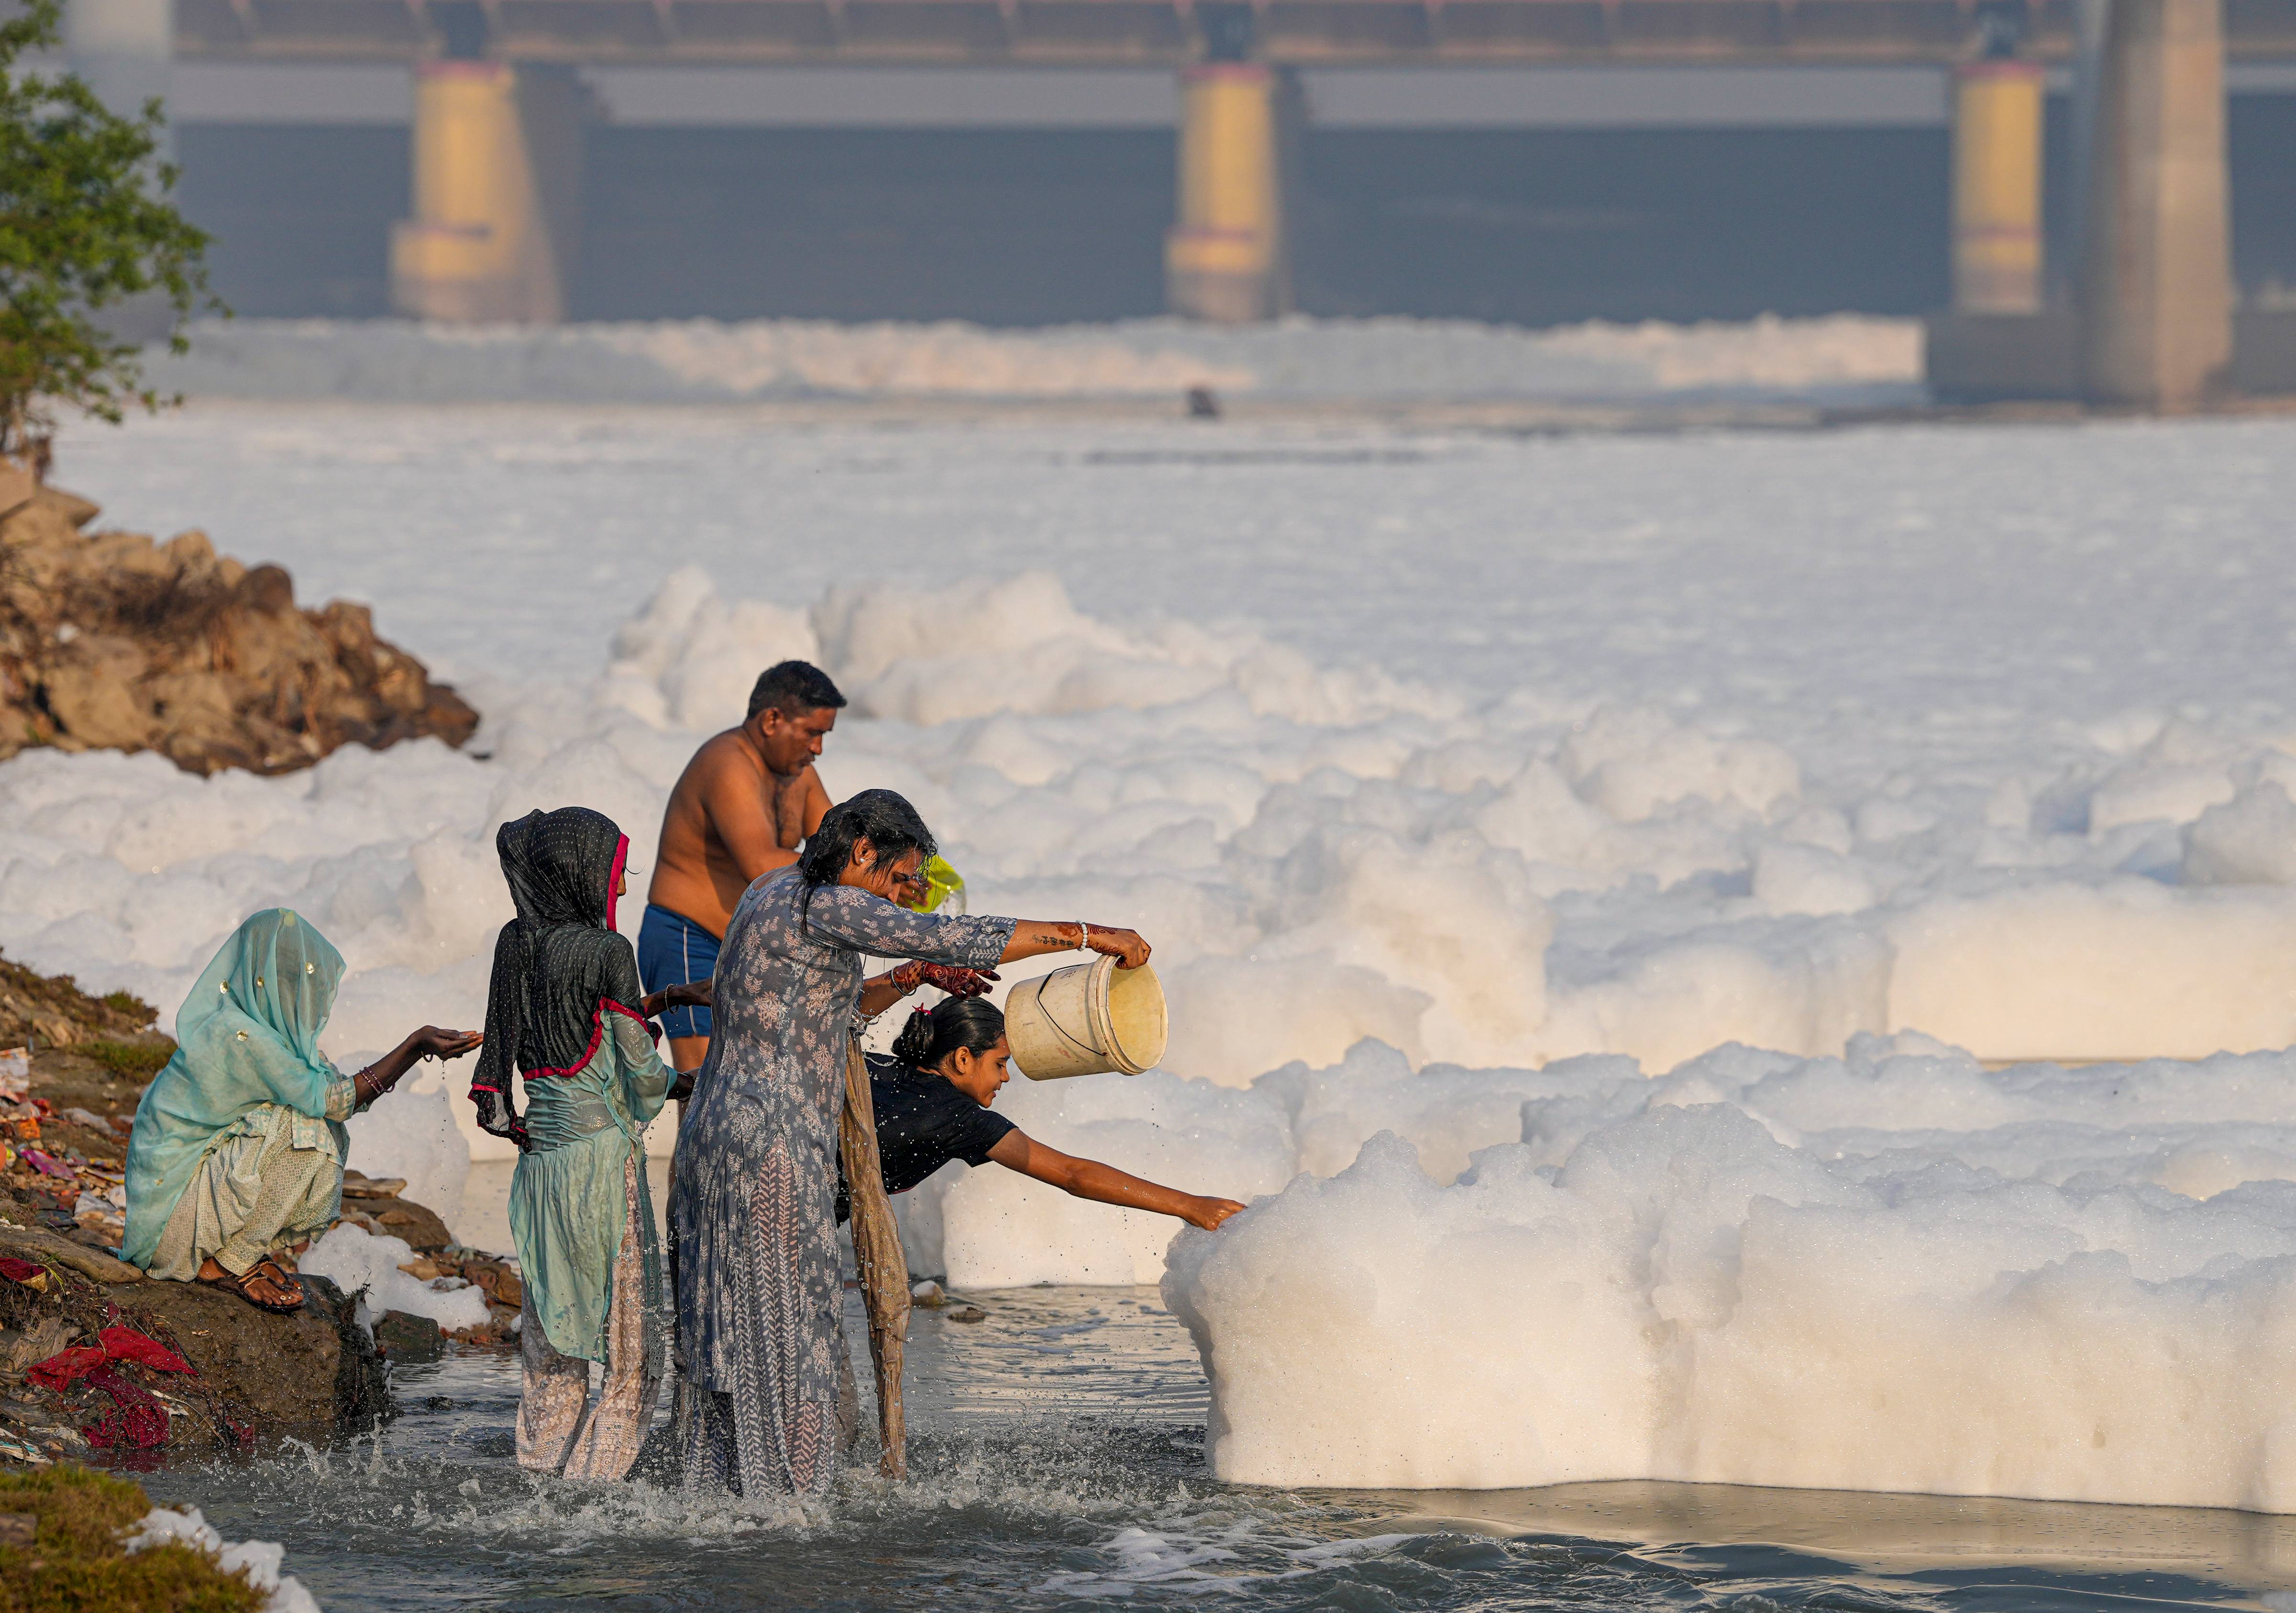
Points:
x=247 y=1090
x=567 y=1212
x=560 y=1429
x=753 y=1213
x=922 y=1123
x=673 y=950
x=565 y=1006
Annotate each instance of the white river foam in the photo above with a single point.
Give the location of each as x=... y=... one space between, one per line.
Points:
x=1514 y=906
x=1844 y=359
x=1894 y=1272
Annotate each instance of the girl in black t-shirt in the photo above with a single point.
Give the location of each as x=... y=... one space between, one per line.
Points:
x=932 y=1098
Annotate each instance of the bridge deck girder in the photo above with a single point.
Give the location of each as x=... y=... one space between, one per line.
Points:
x=1137 y=33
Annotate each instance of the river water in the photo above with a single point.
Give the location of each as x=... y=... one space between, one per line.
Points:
x=1058 y=1461
x=1912 y=612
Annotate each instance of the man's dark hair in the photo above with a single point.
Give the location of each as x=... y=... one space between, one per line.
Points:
x=793 y=688
x=885 y=820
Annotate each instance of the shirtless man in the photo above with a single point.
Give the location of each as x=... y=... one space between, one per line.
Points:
x=744 y=803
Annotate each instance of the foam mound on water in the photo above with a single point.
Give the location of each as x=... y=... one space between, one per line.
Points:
x=354 y=1259
x=1321 y=853
x=1841 y=358
x=1896 y=1272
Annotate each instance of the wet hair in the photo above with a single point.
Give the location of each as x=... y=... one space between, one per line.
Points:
x=885 y=820
x=932 y=1034
x=793 y=688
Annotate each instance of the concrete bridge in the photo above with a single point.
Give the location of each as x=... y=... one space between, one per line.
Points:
x=498 y=107
x=1281 y=33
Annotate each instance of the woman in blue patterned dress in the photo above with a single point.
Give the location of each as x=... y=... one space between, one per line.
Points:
x=753 y=1213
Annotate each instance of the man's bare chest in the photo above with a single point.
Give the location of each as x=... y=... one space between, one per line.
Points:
x=787 y=804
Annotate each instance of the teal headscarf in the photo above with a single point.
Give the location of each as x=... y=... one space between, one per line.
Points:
x=249 y=1035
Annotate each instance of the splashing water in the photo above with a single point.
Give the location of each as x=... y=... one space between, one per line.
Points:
x=1058 y=1462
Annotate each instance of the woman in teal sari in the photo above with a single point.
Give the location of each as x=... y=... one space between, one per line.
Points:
x=566 y=1011
x=238 y=1147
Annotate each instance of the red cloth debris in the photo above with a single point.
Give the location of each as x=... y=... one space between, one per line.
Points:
x=141 y=1422
x=65 y=1368
x=46 y=1166
x=68 y=1367
x=125 y=1344
x=20 y=1271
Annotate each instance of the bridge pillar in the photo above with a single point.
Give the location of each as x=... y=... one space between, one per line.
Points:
x=1224 y=261
x=497 y=155
x=1996 y=186
x=2156 y=291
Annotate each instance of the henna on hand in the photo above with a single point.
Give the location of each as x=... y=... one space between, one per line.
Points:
x=958 y=982
x=1124 y=945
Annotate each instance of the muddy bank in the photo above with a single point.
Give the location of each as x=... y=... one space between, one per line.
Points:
x=239 y=1375
x=111 y=642
x=220 y=1373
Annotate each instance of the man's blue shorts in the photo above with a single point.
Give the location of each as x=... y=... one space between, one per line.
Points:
x=673 y=950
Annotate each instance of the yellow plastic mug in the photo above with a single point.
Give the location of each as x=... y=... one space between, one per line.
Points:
x=944 y=888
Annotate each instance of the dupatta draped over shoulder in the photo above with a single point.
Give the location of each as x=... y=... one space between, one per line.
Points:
x=247 y=1036
x=564 y=1007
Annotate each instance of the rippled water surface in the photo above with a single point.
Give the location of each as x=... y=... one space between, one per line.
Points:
x=1058 y=1461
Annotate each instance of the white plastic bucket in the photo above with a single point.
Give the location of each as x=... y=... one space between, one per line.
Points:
x=1086 y=1020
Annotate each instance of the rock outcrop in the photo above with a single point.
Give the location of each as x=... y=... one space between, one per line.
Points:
x=110 y=642
x=53 y=1010
x=63 y=1134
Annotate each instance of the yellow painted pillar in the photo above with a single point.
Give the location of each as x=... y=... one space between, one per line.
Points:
x=494 y=158
x=1996 y=186
x=1223 y=260
x=2156 y=290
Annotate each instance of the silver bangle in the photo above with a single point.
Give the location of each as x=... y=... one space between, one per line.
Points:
x=1085 y=930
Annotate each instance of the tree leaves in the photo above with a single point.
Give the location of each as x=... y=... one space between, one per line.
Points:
x=86 y=224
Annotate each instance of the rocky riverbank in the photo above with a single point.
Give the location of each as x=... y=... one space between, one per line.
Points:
x=94 y=1356
x=111 y=641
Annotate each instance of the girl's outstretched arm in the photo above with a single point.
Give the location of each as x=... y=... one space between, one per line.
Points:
x=1090 y=1179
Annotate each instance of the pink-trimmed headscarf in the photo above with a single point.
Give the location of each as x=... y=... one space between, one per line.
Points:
x=560 y=961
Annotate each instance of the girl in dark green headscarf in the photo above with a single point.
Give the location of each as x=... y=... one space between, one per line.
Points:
x=238 y=1146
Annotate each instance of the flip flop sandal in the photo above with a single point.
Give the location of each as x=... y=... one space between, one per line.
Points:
x=238 y=1285
x=281 y=1276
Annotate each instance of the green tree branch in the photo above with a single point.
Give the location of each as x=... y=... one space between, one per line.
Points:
x=86 y=223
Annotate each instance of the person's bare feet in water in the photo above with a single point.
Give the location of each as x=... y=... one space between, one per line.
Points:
x=265 y=1284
